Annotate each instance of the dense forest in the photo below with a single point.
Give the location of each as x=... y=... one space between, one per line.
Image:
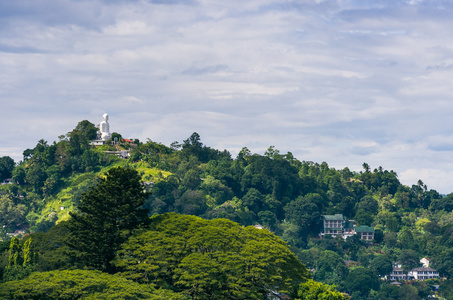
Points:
x=176 y=223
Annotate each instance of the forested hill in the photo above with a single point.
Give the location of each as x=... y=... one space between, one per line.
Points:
x=278 y=191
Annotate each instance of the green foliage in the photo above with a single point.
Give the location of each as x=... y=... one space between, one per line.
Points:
x=381 y=265
x=305 y=213
x=12 y=214
x=330 y=266
x=16 y=257
x=21 y=260
x=206 y=259
x=80 y=284
x=6 y=167
x=361 y=280
x=312 y=290
x=409 y=259
x=29 y=253
x=275 y=190
x=50 y=248
x=106 y=216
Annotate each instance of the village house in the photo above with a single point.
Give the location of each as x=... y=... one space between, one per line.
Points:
x=397 y=274
x=366 y=232
x=334 y=225
x=425 y=261
x=421 y=273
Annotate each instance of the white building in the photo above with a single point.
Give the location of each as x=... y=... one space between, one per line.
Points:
x=423 y=273
x=397 y=274
x=425 y=262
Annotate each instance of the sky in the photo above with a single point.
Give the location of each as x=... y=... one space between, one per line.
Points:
x=337 y=81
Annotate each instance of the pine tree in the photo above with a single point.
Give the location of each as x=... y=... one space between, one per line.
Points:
x=106 y=216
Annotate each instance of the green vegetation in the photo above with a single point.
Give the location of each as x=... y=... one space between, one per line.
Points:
x=58 y=196
x=80 y=284
x=210 y=259
x=106 y=217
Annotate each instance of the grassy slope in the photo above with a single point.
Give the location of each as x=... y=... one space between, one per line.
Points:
x=65 y=197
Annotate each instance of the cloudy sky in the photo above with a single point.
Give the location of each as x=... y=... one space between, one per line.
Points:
x=345 y=81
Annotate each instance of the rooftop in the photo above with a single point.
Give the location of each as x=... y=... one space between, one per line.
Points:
x=337 y=217
x=364 y=228
x=424 y=269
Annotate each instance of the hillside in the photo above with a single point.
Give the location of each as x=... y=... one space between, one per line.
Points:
x=286 y=195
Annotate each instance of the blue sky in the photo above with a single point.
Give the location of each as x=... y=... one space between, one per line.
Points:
x=345 y=82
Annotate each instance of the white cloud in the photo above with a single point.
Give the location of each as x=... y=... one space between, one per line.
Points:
x=128 y=28
x=344 y=82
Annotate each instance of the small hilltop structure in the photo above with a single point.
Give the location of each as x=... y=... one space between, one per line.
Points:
x=104 y=137
x=103 y=134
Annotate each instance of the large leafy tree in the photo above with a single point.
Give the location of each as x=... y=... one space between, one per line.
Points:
x=305 y=213
x=216 y=259
x=80 y=137
x=106 y=217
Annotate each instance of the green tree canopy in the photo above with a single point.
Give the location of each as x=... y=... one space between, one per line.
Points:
x=215 y=259
x=381 y=265
x=361 y=280
x=409 y=259
x=6 y=167
x=312 y=290
x=11 y=214
x=80 y=284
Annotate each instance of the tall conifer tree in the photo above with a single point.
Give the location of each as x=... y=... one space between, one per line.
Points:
x=106 y=216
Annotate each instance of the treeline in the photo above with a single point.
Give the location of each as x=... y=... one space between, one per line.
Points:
x=276 y=190
x=110 y=249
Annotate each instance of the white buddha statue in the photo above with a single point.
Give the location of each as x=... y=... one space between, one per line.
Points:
x=104 y=128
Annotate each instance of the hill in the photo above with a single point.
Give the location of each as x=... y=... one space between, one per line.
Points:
x=286 y=195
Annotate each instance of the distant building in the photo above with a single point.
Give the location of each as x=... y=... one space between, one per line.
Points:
x=366 y=232
x=423 y=273
x=334 y=225
x=397 y=274
x=425 y=261
x=348 y=229
x=7 y=181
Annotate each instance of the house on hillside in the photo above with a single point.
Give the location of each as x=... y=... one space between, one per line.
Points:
x=335 y=225
x=423 y=273
x=397 y=274
x=366 y=232
x=7 y=181
x=425 y=261
x=349 y=229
